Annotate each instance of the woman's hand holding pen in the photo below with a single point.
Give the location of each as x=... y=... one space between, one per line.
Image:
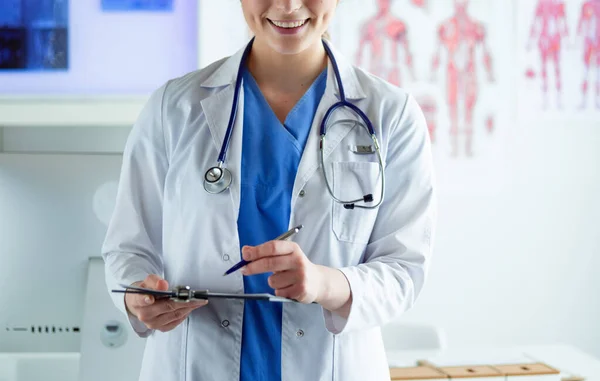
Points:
x=296 y=277
x=162 y=315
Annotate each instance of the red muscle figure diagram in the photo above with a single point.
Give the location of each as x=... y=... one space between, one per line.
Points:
x=549 y=27
x=460 y=36
x=429 y=107
x=589 y=29
x=386 y=36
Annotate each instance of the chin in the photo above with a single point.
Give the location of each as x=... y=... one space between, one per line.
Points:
x=290 y=46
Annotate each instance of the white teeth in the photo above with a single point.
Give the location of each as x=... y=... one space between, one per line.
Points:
x=288 y=25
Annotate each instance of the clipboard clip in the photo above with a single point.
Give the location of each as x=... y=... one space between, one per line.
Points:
x=184 y=294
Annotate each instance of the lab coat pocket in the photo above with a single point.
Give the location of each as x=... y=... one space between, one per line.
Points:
x=351 y=181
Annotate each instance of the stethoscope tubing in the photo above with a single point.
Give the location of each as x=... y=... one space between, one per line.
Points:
x=224 y=179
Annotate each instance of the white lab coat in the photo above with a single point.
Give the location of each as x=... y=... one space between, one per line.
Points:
x=165 y=223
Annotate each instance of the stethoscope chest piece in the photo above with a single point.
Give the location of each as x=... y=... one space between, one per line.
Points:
x=217 y=180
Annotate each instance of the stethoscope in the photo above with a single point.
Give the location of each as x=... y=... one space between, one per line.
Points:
x=218 y=179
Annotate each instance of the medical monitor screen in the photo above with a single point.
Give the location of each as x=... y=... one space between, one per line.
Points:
x=94 y=48
x=34 y=35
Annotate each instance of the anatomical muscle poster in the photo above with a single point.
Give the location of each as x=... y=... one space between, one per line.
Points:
x=455 y=57
x=559 y=59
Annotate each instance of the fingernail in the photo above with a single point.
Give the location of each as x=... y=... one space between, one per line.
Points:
x=244 y=270
x=147 y=300
x=246 y=252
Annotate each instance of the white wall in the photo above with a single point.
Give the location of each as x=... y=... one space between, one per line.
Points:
x=521 y=267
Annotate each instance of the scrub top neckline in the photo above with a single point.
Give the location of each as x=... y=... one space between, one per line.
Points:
x=289 y=117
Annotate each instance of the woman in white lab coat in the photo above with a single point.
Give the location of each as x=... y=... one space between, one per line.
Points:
x=352 y=270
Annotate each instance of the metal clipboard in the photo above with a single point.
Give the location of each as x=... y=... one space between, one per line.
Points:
x=184 y=294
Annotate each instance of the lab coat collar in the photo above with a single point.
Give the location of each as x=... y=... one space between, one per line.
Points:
x=226 y=74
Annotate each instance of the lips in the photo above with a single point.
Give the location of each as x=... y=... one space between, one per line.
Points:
x=288 y=24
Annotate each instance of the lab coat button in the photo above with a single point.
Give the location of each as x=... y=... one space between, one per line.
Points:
x=302 y=193
x=300 y=333
x=225 y=323
x=225 y=257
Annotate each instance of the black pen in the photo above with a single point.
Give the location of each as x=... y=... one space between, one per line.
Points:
x=282 y=237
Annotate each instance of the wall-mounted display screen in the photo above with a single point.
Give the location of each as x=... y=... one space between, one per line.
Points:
x=34 y=35
x=77 y=48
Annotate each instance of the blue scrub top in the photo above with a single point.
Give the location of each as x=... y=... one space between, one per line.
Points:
x=271 y=153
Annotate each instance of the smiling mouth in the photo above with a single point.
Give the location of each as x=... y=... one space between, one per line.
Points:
x=288 y=24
